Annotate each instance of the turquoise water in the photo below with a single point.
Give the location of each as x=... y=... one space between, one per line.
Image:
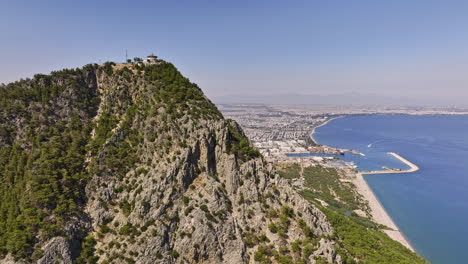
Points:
x=430 y=206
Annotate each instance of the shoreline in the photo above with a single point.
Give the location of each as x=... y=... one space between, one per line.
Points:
x=324 y=123
x=378 y=212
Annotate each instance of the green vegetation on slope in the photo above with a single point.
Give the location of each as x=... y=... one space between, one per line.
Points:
x=359 y=239
x=325 y=184
x=368 y=245
x=177 y=92
x=41 y=160
x=240 y=145
x=290 y=171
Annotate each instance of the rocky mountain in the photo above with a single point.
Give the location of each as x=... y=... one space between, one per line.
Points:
x=131 y=163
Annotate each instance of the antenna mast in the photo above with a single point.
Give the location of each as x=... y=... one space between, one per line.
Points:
x=126 y=56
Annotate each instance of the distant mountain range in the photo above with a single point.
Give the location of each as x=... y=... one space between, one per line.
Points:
x=341 y=99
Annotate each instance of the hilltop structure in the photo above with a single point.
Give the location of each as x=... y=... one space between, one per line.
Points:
x=151 y=59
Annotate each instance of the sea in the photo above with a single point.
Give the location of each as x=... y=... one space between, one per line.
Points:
x=429 y=206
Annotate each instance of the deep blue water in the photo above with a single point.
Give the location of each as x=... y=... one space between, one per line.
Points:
x=430 y=206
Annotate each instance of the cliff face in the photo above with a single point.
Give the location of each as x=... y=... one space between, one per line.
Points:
x=133 y=164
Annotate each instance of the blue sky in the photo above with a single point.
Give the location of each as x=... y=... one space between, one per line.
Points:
x=419 y=48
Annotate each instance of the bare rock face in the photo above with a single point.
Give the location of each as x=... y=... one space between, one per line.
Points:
x=57 y=250
x=207 y=206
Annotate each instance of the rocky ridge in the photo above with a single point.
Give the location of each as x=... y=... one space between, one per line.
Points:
x=164 y=178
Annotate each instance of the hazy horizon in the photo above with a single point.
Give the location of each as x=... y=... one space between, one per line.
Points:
x=414 y=50
x=344 y=99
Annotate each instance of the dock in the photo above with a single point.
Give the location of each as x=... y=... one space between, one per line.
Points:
x=413 y=167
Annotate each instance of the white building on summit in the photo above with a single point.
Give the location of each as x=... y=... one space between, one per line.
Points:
x=151 y=59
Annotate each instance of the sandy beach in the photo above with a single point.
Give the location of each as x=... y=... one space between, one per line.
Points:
x=379 y=214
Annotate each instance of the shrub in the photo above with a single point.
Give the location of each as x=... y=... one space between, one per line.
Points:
x=262 y=254
x=105 y=229
x=186 y=200
x=273 y=227
x=188 y=210
x=175 y=254
x=296 y=246
x=204 y=208
x=126 y=229
x=87 y=251
x=287 y=211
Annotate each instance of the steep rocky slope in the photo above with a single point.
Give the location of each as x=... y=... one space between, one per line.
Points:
x=133 y=164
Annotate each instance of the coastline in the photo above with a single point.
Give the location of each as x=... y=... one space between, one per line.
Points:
x=379 y=214
x=324 y=123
